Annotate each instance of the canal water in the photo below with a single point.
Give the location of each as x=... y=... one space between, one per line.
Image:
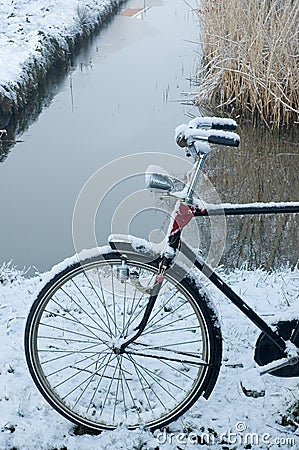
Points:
x=124 y=94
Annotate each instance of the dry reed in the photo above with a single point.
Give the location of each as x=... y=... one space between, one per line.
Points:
x=250 y=63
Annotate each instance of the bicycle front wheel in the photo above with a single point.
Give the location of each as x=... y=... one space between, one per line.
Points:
x=84 y=314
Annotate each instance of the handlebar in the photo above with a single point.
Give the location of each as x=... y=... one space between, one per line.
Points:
x=229 y=138
x=202 y=131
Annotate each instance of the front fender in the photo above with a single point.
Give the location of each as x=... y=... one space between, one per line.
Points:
x=129 y=243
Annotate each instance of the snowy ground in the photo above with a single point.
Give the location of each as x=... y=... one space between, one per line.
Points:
x=25 y=25
x=27 y=422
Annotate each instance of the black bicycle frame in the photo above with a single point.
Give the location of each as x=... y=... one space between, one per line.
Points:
x=249 y=209
x=200 y=264
x=188 y=209
x=184 y=215
x=235 y=210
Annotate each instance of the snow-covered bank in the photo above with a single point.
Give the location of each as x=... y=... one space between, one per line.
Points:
x=34 y=35
x=27 y=422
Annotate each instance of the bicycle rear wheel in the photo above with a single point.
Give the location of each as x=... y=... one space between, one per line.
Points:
x=87 y=310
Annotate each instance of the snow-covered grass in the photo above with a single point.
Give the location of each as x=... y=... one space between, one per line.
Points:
x=34 y=34
x=27 y=422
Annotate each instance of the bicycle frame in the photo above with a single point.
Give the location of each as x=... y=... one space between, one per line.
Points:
x=183 y=215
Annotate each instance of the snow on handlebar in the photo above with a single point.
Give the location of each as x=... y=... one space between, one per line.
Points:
x=212 y=136
x=215 y=123
x=211 y=130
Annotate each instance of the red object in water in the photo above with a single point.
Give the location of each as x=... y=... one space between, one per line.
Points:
x=131 y=12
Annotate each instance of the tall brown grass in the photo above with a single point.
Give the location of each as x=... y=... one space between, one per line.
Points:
x=251 y=59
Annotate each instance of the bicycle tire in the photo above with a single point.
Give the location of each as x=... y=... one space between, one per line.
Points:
x=81 y=313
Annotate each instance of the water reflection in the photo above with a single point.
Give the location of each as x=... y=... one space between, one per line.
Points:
x=40 y=99
x=42 y=95
x=113 y=99
x=264 y=169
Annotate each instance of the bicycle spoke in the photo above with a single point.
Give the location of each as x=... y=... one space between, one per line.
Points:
x=168 y=358
x=152 y=375
x=74 y=318
x=67 y=340
x=117 y=330
x=132 y=318
x=87 y=385
x=110 y=385
x=102 y=301
x=92 y=307
x=66 y=330
x=100 y=380
x=143 y=388
x=74 y=375
x=173 y=351
x=57 y=358
x=67 y=355
x=179 y=319
x=132 y=310
x=172 y=367
x=132 y=398
x=174 y=343
x=122 y=387
x=69 y=366
x=117 y=388
x=170 y=313
x=124 y=307
x=89 y=327
x=161 y=329
x=163 y=303
x=108 y=315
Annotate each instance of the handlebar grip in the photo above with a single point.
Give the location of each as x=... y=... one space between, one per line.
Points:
x=225 y=127
x=230 y=139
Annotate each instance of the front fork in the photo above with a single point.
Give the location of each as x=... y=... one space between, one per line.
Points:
x=183 y=216
x=184 y=213
x=149 y=307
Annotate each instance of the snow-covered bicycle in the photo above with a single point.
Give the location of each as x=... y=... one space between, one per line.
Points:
x=126 y=336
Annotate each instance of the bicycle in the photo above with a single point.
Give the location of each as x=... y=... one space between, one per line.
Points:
x=124 y=336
